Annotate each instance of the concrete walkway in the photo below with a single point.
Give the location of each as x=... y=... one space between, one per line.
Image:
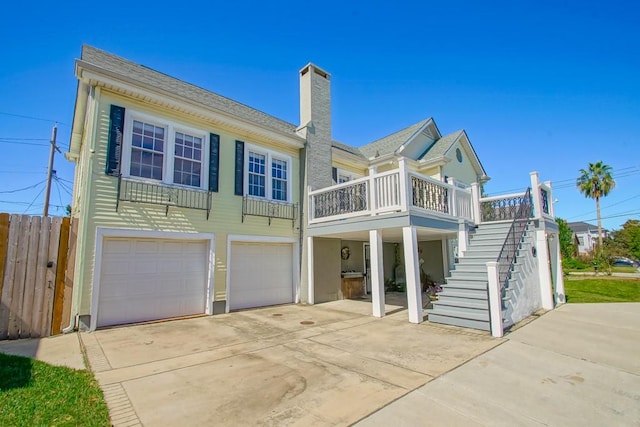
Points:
x=61 y=350
x=576 y=366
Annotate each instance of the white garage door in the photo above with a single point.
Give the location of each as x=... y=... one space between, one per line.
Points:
x=261 y=274
x=149 y=279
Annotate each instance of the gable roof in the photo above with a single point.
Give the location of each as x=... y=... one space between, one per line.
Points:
x=391 y=143
x=110 y=64
x=582 y=227
x=441 y=146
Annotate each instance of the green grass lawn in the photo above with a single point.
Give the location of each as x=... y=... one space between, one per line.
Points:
x=33 y=393
x=596 y=289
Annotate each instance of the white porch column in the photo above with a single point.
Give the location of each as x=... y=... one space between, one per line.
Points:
x=535 y=194
x=546 y=289
x=495 y=300
x=412 y=271
x=557 y=260
x=475 y=202
x=463 y=237
x=377 y=273
x=311 y=296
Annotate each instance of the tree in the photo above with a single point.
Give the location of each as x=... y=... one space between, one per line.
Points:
x=626 y=241
x=565 y=235
x=594 y=183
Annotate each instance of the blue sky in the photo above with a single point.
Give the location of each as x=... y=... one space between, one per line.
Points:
x=545 y=86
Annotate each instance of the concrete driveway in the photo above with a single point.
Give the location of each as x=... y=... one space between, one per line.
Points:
x=578 y=365
x=329 y=364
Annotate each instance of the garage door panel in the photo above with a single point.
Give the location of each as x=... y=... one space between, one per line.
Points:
x=261 y=274
x=146 y=279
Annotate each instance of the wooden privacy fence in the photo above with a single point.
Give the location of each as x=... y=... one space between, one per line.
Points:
x=37 y=256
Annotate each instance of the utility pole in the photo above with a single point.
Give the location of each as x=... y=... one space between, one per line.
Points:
x=54 y=147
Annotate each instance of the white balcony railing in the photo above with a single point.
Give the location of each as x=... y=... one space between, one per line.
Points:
x=401 y=190
x=383 y=193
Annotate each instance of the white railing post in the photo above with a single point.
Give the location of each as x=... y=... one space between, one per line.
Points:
x=535 y=192
x=495 y=300
x=372 y=190
x=475 y=202
x=453 y=210
x=463 y=237
x=405 y=185
x=550 y=198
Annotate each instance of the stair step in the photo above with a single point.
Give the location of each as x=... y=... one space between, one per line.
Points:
x=455 y=321
x=463 y=302
x=462 y=313
x=468 y=276
x=478 y=267
x=476 y=285
x=463 y=293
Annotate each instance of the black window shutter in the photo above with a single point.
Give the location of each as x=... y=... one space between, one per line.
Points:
x=116 y=135
x=239 y=190
x=334 y=175
x=214 y=161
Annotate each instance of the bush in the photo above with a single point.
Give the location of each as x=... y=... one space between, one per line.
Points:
x=576 y=264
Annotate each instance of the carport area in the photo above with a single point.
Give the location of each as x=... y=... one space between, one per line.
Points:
x=329 y=364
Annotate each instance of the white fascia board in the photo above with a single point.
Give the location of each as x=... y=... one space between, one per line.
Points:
x=77 y=125
x=415 y=134
x=90 y=75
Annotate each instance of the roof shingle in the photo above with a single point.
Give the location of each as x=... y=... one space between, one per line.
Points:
x=158 y=81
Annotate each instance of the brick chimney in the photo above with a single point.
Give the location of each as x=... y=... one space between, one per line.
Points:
x=315 y=124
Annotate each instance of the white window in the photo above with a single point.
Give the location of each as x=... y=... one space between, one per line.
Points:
x=267 y=174
x=257 y=174
x=163 y=151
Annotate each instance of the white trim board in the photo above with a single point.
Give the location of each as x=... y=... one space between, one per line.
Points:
x=104 y=232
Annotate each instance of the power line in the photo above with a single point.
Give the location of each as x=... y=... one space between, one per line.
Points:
x=33 y=201
x=12 y=202
x=22 y=189
x=33 y=118
x=23 y=139
x=606 y=207
x=571 y=182
x=25 y=143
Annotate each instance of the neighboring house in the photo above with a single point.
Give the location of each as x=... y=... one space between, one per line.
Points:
x=191 y=203
x=586 y=235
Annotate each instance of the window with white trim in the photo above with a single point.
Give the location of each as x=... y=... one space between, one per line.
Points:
x=164 y=151
x=267 y=174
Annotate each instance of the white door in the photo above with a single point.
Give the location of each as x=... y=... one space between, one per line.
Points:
x=149 y=279
x=261 y=274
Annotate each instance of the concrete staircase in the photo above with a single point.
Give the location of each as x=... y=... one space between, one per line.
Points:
x=464 y=298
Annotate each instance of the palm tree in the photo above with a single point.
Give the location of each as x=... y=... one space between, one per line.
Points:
x=594 y=183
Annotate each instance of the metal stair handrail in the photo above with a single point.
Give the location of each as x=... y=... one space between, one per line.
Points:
x=507 y=256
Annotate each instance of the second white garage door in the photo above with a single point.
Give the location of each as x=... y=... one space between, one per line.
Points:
x=149 y=279
x=260 y=274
